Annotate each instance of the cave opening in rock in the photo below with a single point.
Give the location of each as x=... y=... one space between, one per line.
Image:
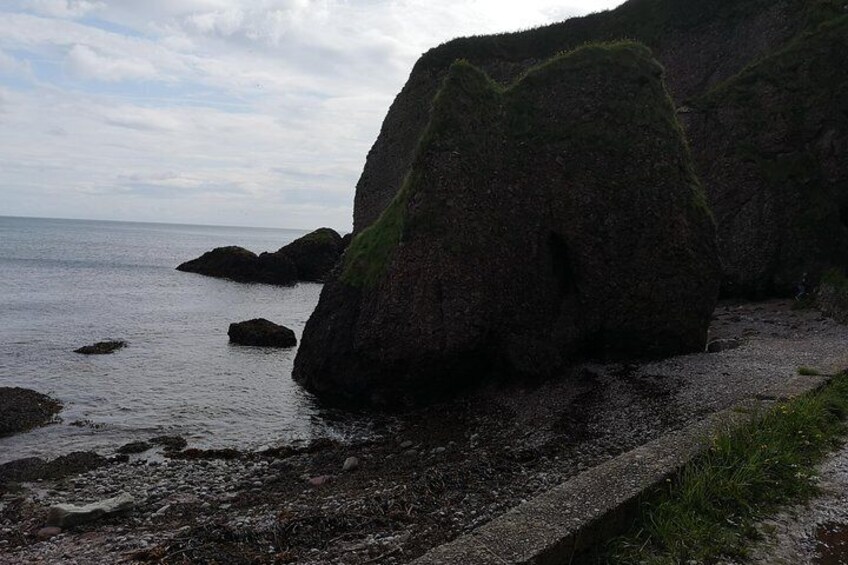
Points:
x=843 y=215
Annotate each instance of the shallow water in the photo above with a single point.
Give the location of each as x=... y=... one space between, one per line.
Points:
x=64 y=284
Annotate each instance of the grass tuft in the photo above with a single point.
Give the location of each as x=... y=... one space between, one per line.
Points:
x=709 y=510
x=808 y=372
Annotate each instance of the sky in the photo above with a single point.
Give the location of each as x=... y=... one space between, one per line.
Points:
x=220 y=112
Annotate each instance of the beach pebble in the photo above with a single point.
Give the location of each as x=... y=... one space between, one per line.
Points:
x=48 y=532
x=350 y=464
x=319 y=481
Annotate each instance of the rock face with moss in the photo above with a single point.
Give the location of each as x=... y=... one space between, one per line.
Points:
x=772 y=149
x=701 y=45
x=556 y=218
x=309 y=258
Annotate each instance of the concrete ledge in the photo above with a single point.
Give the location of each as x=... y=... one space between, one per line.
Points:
x=558 y=525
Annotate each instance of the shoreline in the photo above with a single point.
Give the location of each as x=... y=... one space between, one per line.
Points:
x=469 y=461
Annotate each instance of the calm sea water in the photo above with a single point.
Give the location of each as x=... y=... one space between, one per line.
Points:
x=64 y=284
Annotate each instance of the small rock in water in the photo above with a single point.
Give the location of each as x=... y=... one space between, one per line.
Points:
x=134 y=447
x=101 y=347
x=48 y=532
x=261 y=333
x=170 y=443
x=350 y=464
x=69 y=515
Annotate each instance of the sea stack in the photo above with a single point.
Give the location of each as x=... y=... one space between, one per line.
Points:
x=555 y=218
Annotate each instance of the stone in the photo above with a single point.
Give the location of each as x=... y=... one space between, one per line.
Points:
x=101 y=347
x=309 y=258
x=719 y=345
x=170 y=443
x=261 y=333
x=47 y=533
x=22 y=409
x=319 y=481
x=134 y=447
x=350 y=464
x=406 y=444
x=540 y=224
x=68 y=515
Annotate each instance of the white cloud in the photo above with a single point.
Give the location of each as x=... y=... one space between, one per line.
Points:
x=88 y=63
x=63 y=8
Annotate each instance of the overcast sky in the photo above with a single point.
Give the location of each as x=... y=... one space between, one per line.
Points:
x=230 y=112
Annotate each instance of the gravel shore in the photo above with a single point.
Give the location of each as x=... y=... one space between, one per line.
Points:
x=422 y=478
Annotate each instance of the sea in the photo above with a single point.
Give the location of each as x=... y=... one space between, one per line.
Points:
x=69 y=283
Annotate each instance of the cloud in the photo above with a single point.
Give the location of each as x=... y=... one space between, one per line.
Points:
x=63 y=8
x=88 y=63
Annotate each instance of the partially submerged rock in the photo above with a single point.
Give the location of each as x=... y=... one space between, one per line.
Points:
x=556 y=218
x=135 y=447
x=35 y=468
x=170 y=443
x=309 y=258
x=68 y=515
x=22 y=409
x=261 y=333
x=102 y=347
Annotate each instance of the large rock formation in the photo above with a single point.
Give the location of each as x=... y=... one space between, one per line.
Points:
x=701 y=44
x=555 y=218
x=772 y=149
x=309 y=258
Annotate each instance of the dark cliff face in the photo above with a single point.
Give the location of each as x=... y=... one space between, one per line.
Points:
x=556 y=218
x=699 y=44
x=772 y=149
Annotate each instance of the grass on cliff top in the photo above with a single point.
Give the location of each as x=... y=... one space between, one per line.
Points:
x=709 y=510
x=472 y=113
x=646 y=21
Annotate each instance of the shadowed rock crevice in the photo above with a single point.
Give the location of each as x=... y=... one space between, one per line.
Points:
x=535 y=218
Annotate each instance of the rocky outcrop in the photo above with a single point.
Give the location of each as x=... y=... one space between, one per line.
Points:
x=770 y=150
x=22 y=409
x=261 y=333
x=101 y=348
x=771 y=145
x=36 y=469
x=309 y=258
x=699 y=44
x=556 y=218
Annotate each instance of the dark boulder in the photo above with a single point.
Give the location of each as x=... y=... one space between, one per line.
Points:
x=315 y=254
x=241 y=265
x=554 y=219
x=101 y=348
x=23 y=409
x=35 y=468
x=309 y=258
x=261 y=333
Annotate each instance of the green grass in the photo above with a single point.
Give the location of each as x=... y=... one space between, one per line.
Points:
x=709 y=510
x=808 y=372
